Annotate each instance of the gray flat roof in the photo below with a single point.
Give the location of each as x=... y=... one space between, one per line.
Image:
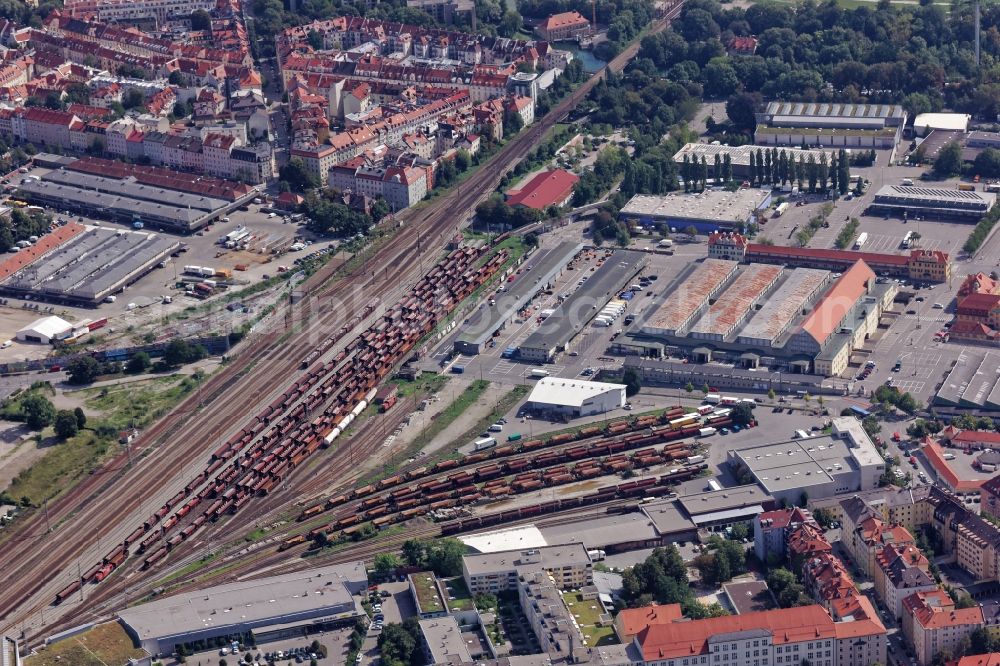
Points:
x=444 y=639
x=545 y=557
x=919 y=194
x=761 y=377
x=740 y=155
x=713 y=501
x=982 y=382
x=128 y=187
x=251 y=603
x=542 y=267
x=584 y=304
x=603 y=531
x=749 y=596
x=960 y=376
x=717 y=206
x=114 y=203
x=94 y=263
x=667 y=517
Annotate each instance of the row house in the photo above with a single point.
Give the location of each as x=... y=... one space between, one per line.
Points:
x=826 y=579
x=866 y=533
x=401 y=185
x=45 y=127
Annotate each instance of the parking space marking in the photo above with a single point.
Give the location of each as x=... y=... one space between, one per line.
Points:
x=503 y=368
x=909 y=386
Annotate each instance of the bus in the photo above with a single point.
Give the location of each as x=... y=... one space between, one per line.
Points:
x=907 y=240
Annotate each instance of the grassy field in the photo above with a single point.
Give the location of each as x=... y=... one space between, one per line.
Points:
x=105 y=645
x=459 y=598
x=109 y=410
x=587 y=614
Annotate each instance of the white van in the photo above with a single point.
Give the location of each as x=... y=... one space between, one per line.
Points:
x=6 y=343
x=496 y=427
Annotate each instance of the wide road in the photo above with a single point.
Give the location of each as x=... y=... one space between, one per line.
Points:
x=43 y=552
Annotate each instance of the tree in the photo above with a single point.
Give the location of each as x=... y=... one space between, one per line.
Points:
x=741 y=109
x=83 y=370
x=771 y=394
x=179 y=352
x=949 y=160
x=37 y=410
x=987 y=163
x=632 y=381
x=65 y=424
x=742 y=413
x=398 y=643
x=871 y=425
x=297 y=176
x=133 y=99
x=138 y=364
x=176 y=78
x=385 y=564
x=201 y=20
x=81 y=418
x=689 y=387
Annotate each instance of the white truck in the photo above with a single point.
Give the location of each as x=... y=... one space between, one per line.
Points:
x=484 y=443
x=538 y=373
x=782 y=207
x=713 y=398
x=862 y=239
x=707 y=432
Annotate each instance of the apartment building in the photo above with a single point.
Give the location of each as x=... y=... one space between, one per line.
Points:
x=783 y=637
x=899 y=572
x=868 y=535
x=567 y=25
x=568 y=565
x=771 y=530
x=932 y=624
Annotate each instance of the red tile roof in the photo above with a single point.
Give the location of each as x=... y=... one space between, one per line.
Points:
x=45 y=244
x=684 y=639
x=870 y=258
x=978 y=302
x=545 y=189
x=634 y=620
x=935 y=456
x=564 y=19
x=838 y=301
x=991 y=659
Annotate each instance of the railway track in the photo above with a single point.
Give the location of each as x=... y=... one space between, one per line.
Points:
x=32 y=554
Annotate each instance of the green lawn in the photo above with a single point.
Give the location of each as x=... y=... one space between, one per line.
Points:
x=427 y=593
x=587 y=614
x=105 y=645
x=62 y=465
x=459 y=598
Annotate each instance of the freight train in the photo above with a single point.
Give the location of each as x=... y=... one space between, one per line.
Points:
x=312 y=413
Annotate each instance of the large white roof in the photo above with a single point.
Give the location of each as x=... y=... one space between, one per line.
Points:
x=943 y=121
x=48 y=327
x=568 y=392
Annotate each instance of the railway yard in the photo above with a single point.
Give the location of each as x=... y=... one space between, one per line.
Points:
x=177 y=492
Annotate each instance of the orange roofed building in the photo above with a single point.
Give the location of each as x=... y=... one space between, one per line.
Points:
x=932 y=624
x=783 y=637
x=631 y=621
x=567 y=25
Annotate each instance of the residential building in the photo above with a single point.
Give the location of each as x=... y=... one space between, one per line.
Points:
x=630 y=621
x=771 y=530
x=568 y=564
x=564 y=26
x=901 y=570
x=932 y=624
x=783 y=637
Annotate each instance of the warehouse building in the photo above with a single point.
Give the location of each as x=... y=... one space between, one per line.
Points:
x=46 y=330
x=925 y=123
x=84 y=265
x=931 y=202
x=264 y=609
x=125 y=200
x=740 y=156
x=655 y=372
x=548 y=188
x=573 y=398
x=737 y=303
x=542 y=268
x=556 y=333
x=690 y=298
x=973 y=383
x=759 y=314
x=834 y=125
x=707 y=212
x=819 y=466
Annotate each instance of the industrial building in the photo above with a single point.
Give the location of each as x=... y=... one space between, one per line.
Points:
x=655 y=372
x=835 y=125
x=542 y=268
x=45 y=331
x=973 y=383
x=820 y=466
x=925 y=123
x=574 y=398
x=266 y=608
x=708 y=211
x=931 y=202
x=548 y=188
x=804 y=319
x=739 y=156
x=918 y=265
x=558 y=330
x=126 y=200
x=82 y=265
